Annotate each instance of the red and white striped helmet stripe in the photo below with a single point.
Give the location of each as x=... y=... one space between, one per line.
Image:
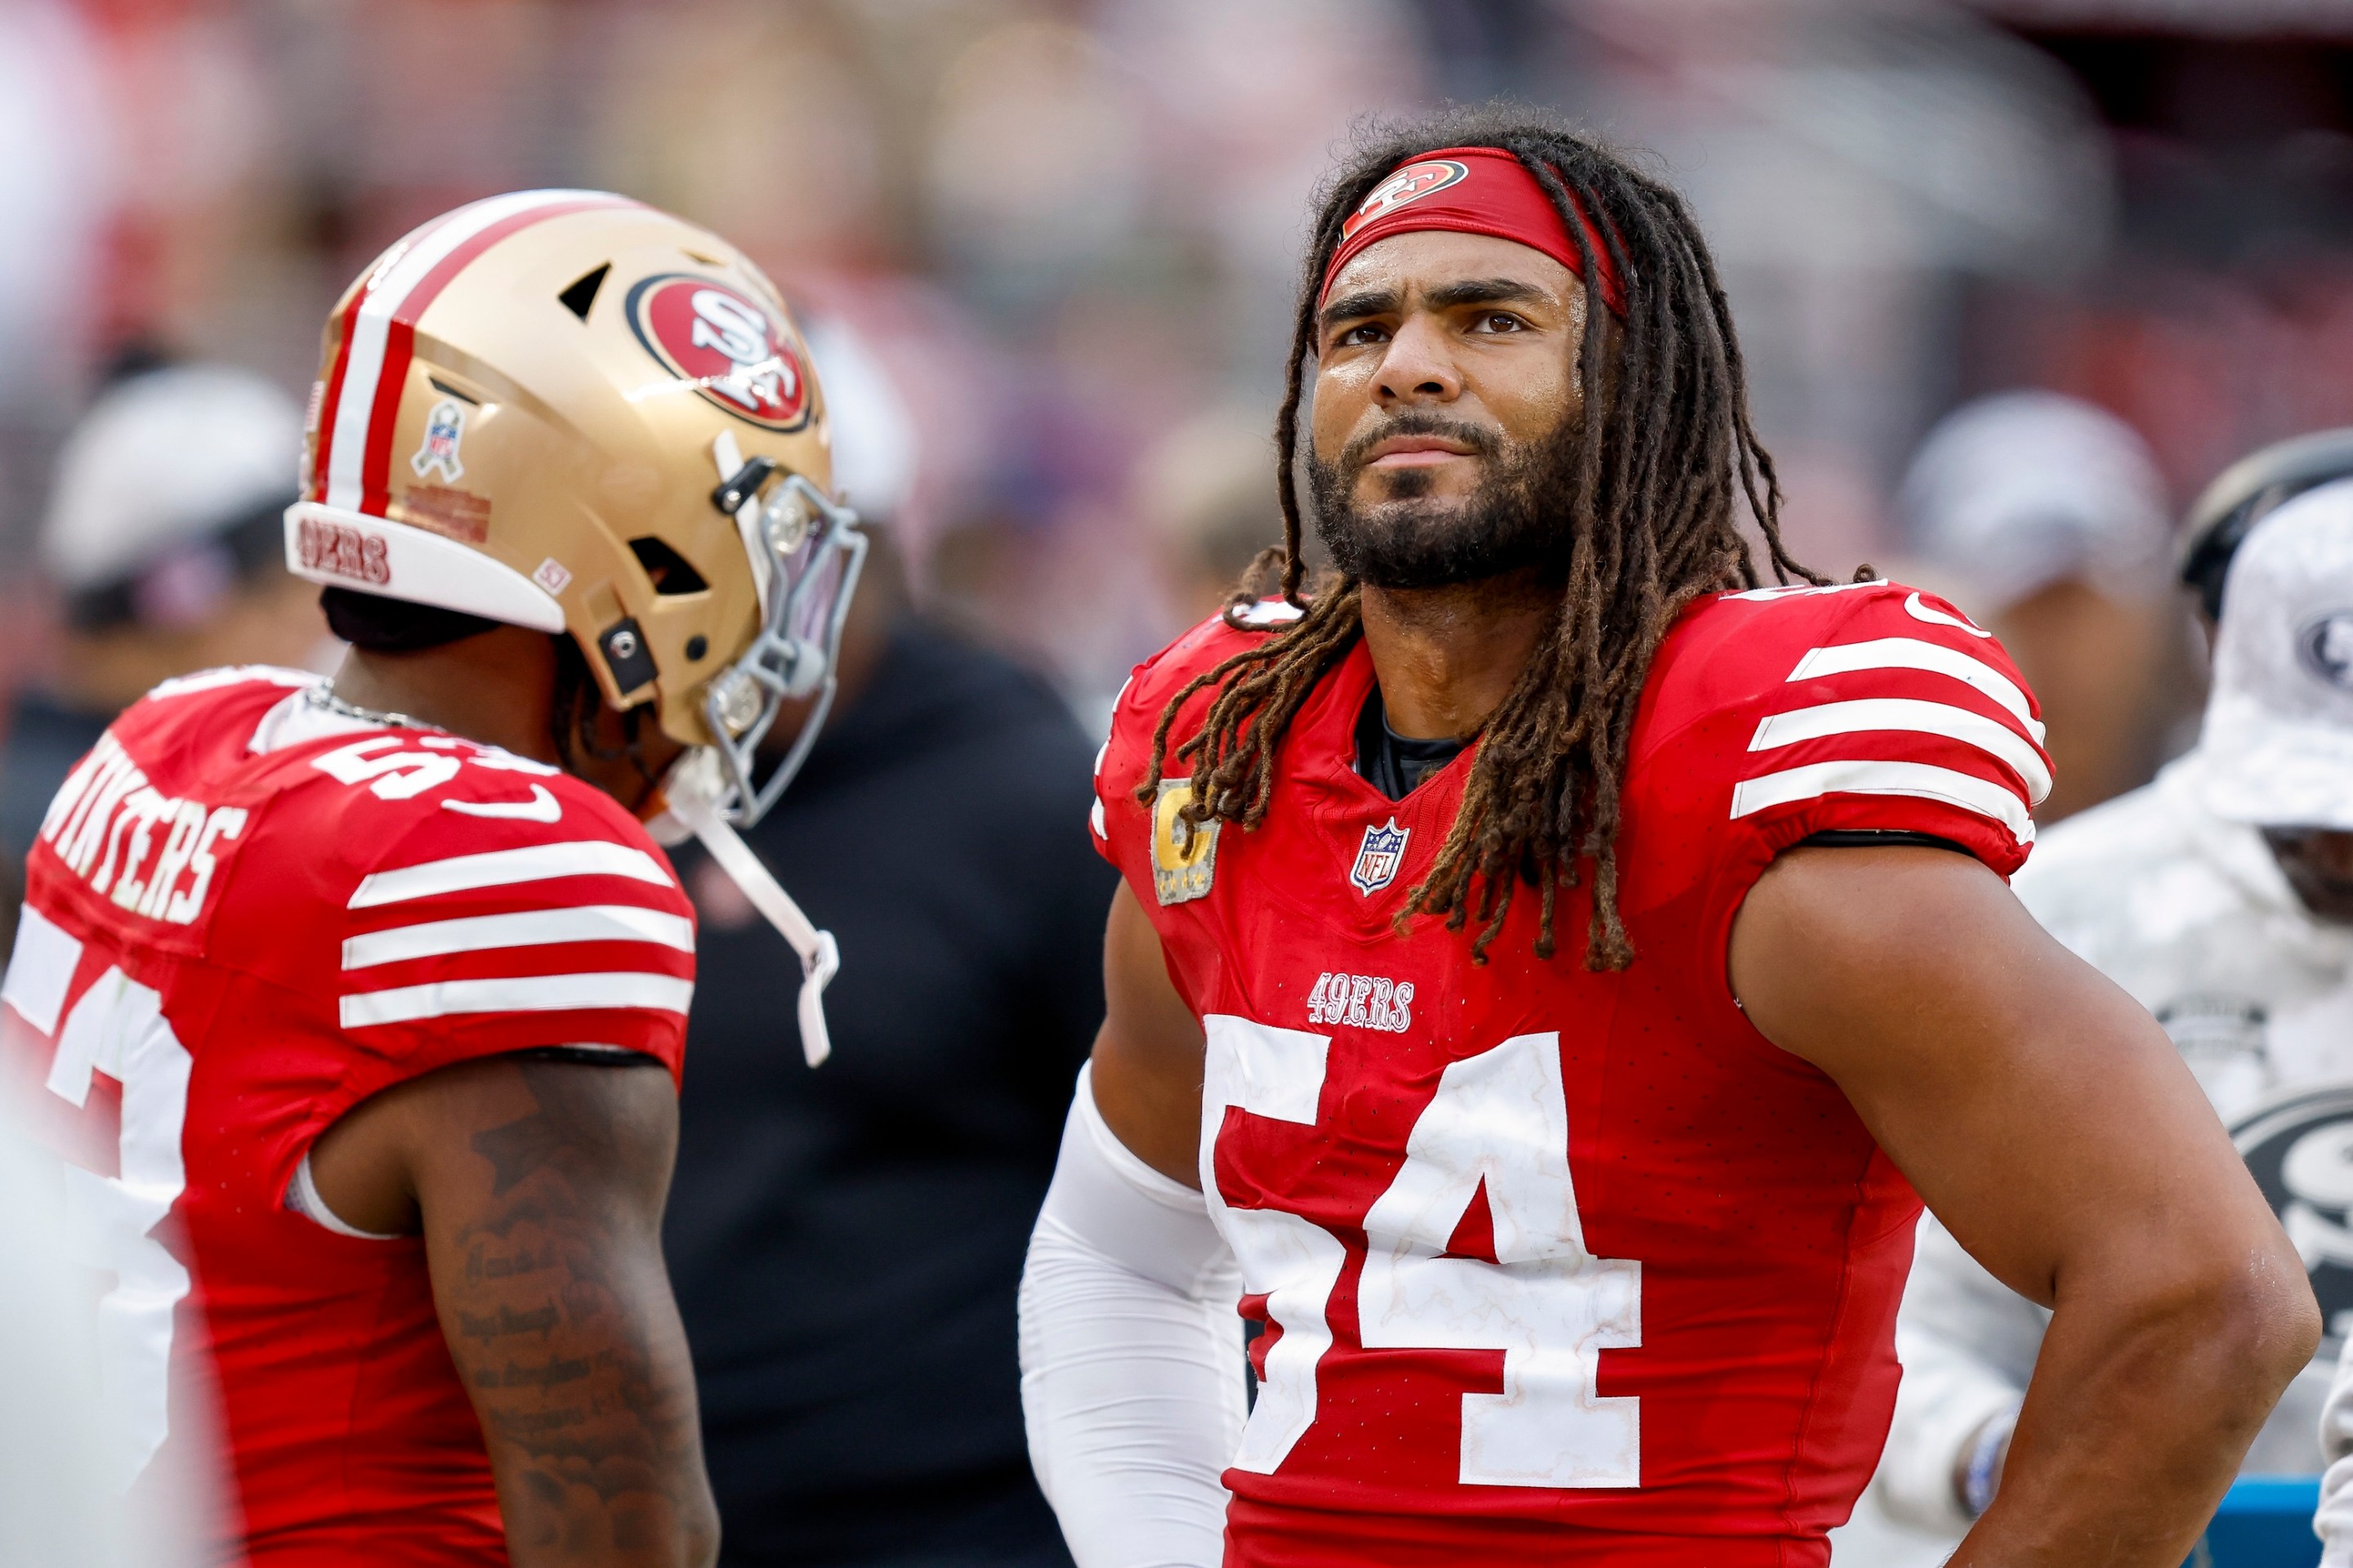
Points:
x=362 y=398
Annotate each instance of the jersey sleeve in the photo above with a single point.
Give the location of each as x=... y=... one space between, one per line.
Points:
x=1778 y=716
x=507 y=919
x=1170 y=866
x=1122 y=826
x=1886 y=710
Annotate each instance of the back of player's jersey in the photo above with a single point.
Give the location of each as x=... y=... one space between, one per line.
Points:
x=244 y=915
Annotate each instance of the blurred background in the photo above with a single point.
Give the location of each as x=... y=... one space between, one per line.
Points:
x=1055 y=241
x=2015 y=280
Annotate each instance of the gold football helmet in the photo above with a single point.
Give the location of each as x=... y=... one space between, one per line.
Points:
x=569 y=411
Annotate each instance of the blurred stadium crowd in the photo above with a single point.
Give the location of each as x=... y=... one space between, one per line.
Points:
x=1062 y=232
x=2017 y=279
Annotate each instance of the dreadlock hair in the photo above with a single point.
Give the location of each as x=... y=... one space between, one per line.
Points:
x=1665 y=452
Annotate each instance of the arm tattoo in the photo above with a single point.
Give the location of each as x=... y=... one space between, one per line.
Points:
x=559 y=1315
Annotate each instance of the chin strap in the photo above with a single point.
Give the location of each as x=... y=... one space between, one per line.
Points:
x=691 y=804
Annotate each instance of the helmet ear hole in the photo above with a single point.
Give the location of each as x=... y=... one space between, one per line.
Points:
x=672 y=573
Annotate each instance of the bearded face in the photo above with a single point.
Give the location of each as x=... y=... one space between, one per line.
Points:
x=1393 y=529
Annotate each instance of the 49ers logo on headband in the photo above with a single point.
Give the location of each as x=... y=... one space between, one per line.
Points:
x=1410 y=183
x=727 y=344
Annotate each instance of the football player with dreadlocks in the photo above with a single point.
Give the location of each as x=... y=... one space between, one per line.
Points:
x=1551 y=961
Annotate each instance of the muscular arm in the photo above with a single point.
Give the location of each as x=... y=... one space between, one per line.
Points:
x=2051 y=1127
x=1148 y=1057
x=538 y=1186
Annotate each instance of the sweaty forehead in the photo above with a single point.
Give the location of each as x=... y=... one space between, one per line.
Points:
x=1414 y=263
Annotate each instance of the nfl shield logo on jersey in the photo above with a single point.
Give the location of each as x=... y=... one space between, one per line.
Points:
x=1377 y=858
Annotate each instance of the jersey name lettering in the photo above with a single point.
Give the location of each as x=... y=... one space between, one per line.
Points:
x=154 y=854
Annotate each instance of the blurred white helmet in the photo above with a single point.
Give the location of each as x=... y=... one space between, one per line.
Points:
x=2021 y=489
x=172 y=458
x=2278 y=737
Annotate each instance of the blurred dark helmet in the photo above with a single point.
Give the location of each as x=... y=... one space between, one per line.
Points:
x=2243 y=494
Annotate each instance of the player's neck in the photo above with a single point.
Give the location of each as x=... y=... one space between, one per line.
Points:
x=1446 y=657
x=496 y=687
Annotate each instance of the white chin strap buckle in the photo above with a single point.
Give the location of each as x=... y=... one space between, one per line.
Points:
x=692 y=791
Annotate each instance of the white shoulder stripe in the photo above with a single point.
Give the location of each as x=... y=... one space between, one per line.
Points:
x=525 y=928
x=1967 y=790
x=500 y=868
x=1866 y=714
x=517 y=993
x=1915 y=654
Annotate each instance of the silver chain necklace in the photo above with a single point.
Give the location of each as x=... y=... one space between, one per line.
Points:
x=322 y=696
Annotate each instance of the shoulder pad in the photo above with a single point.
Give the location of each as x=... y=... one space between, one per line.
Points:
x=1860 y=705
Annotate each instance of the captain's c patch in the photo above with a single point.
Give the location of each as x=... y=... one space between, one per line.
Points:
x=1184 y=854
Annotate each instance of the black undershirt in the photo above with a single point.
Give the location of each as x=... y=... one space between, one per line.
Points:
x=1396 y=765
x=1392 y=763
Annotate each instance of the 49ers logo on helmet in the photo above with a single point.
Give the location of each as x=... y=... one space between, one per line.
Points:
x=729 y=347
x=1410 y=183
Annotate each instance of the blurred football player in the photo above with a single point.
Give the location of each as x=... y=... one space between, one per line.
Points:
x=155 y=580
x=2220 y=896
x=373 y=990
x=1559 y=960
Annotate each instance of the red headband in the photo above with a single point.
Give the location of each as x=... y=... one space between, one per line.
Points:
x=1473 y=190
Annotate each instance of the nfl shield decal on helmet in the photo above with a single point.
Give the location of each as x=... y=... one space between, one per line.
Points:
x=444 y=427
x=1378 y=857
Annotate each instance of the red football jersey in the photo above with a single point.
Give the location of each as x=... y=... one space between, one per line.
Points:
x=1556 y=1266
x=244 y=915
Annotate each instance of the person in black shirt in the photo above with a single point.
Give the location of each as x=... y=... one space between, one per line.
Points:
x=846 y=1242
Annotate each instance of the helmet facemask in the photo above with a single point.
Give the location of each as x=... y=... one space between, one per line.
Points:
x=807 y=551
